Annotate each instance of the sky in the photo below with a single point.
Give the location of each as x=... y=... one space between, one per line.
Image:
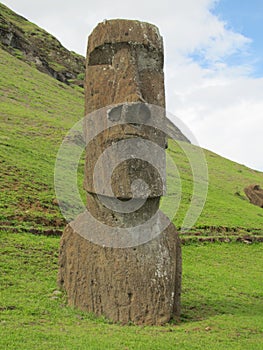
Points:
x=213 y=61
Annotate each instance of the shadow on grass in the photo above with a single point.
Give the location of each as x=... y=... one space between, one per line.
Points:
x=202 y=310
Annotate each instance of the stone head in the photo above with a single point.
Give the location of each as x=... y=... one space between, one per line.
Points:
x=124 y=72
x=124 y=64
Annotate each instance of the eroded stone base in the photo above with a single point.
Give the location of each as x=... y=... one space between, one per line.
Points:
x=140 y=284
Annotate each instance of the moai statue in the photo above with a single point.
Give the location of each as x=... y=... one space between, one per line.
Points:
x=136 y=278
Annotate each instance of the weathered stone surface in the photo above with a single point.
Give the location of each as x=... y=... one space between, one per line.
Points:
x=124 y=64
x=138 y=284
x=120 y=141
x=117 y=219
x=255 y=195
x=121 y=263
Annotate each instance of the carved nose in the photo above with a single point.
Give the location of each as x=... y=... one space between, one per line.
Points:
x=131 y=113
x=126 y=77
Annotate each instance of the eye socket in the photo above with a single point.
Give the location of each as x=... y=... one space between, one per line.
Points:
x=102 y=55
x=147 y=58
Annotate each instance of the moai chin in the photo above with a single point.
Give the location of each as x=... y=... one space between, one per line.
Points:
x=139 y=283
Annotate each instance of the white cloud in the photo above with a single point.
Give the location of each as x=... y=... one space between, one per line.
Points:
x=224 y=113
x=222 y=104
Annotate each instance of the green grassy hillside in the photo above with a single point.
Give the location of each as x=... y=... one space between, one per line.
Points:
x=36 y=113
x=222 y=306
x=227 y=210
x=32 y=44
x=222 y=301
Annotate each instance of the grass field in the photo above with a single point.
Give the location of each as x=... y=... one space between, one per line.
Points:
x=36 y=113
x=222 y=299
x=222 y=302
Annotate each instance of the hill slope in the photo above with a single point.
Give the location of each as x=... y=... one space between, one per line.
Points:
x=38 y=48
x=37 y=111
x=222 y=287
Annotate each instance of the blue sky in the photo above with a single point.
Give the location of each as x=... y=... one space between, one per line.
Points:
x=245 y=17
x=213 y=61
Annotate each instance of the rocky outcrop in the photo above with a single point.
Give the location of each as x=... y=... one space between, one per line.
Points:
x=33 y=45
x=255 y=195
